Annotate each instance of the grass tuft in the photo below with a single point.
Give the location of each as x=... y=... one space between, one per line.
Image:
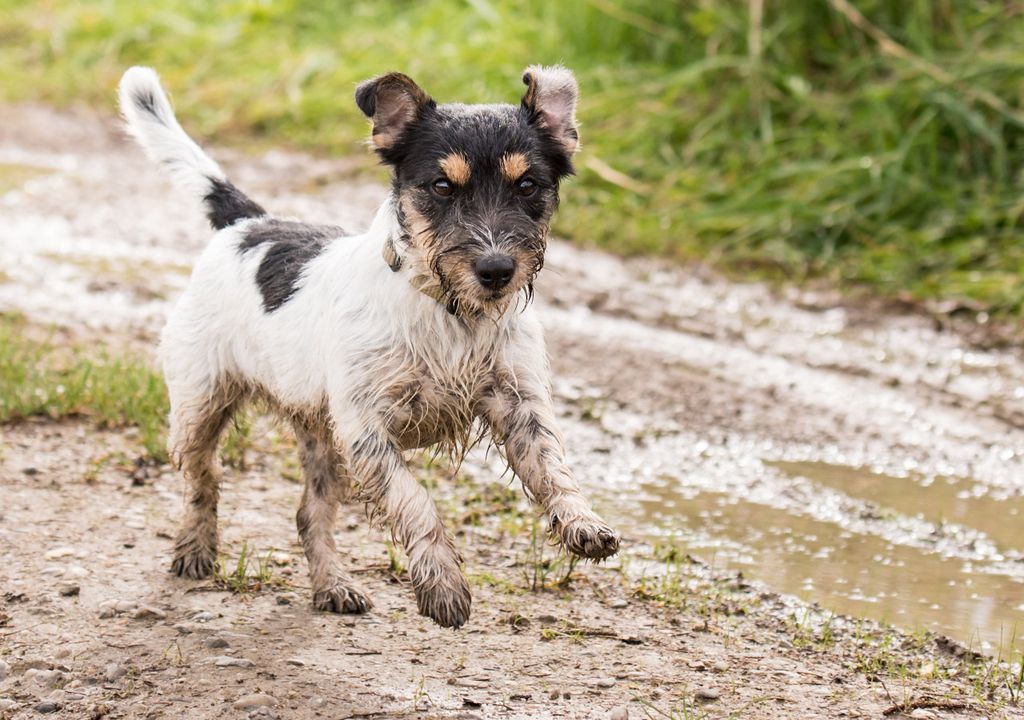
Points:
x=40 y=379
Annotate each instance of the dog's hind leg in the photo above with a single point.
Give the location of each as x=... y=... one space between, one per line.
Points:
x=326 y=486
x=198 y=417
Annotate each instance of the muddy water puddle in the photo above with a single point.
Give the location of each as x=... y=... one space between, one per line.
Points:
x=850 y=572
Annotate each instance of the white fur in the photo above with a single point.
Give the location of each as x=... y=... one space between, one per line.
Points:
x=160 y=135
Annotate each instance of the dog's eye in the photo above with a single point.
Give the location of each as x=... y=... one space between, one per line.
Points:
x=442 y=187
x=526 y=187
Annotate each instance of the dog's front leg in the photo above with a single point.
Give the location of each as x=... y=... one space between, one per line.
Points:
x=522 y=419
x=385 y=483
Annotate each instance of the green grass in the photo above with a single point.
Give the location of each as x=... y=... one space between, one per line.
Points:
x=790 y=140
x=39 y=378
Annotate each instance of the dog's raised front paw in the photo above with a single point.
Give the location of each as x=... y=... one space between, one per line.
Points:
x=446 y=600
x=342 y=598
x=586 y=537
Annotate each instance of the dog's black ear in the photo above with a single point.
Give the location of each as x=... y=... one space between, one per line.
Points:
x=392 y=101
x=551 y=94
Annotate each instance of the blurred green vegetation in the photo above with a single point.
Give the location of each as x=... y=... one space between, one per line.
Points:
x=43 y=379
x=872 y=143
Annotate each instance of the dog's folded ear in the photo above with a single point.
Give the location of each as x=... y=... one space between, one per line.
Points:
x=551 y=94
x=392 y=101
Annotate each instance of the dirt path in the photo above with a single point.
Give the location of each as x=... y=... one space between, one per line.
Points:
x=697 y=411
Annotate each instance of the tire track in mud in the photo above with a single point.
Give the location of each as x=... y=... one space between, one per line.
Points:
x=858 y=462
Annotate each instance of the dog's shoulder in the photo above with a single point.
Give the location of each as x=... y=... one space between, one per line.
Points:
x=288 y=247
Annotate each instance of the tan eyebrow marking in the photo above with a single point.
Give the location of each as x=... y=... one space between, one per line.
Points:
x=456 y=168
x=514 y=166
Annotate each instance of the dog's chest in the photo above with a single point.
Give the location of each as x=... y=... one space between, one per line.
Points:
x=438 y=405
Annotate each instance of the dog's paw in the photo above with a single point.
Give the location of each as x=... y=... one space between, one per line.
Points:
x=587 y=537
x=446 y=600
x=342 y=598
x=191 y=561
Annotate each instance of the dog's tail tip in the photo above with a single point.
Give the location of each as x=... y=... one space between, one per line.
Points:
x=150 y=120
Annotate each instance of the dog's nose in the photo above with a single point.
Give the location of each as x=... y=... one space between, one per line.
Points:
x=494 y=271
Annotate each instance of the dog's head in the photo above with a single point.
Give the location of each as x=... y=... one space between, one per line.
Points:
x=475 y=185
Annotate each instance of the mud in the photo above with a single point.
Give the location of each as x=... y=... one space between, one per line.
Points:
x=872 y=464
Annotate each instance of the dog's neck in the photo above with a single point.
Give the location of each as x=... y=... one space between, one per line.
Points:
x=386 y=225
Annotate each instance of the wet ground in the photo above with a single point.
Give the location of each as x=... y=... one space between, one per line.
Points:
x=871 y=463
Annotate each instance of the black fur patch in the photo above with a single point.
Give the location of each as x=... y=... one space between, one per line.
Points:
x=226 y=205
x=293 y=245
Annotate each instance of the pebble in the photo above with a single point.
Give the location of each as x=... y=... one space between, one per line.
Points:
x=281 y=558
x=68 y=589
x=5 y=669
x=604 y=682
x=46 y=706
x=184 y=629
x=708 y=693
x=7 y=704
x=720 y=666
x=619 y=713
x=148 y=612
x=123 y=606
x=228 y=661
x=49 y=678
x=114 y=672
x=296 y=662
x=204 y=616
x=922 y=714
x=555 y=694
x=619 y=603
x=60 y=552
x=263 y=713
x=250 y=702
x=216 y=642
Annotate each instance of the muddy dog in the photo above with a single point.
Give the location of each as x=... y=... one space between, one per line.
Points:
x=402 y=337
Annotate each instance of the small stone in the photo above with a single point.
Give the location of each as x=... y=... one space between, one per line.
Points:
x=5 y=669
x=60 y=552
x=720 y=666
x=68 y=589
x=296 y=662
x=124 y=606
x=148 y=612
x=204 y=616
x=114 y=672
x=49 y=678
x=555 y=694
x=922 y=714
x=256 y=700
x=216 y=642
x=7 y=704
x=263 y=713
x=604 y=682
x=281 y=558
x=228 y=661
x=618 y=603
x=46 y=707
x=184 y=629
x=708 y=693
x=30 y=471
x=107 y=612
x=619 y=713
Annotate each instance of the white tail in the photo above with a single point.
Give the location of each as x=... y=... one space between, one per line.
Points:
x=151 y=122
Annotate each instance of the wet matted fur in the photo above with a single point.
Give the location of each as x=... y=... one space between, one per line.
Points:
x=402 y=337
